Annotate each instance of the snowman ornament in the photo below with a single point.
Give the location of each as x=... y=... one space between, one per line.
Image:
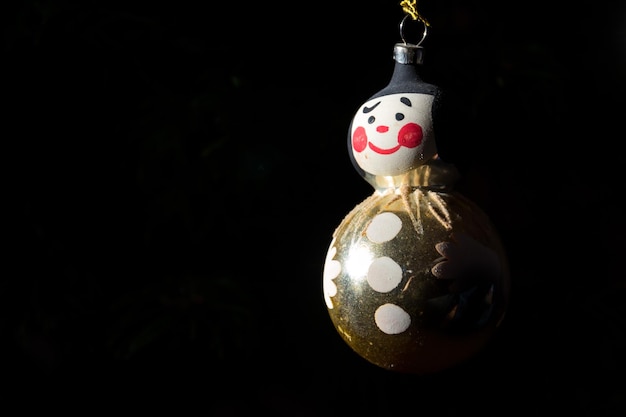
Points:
x=415 y=278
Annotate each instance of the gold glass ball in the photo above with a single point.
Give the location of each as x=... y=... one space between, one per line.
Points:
x=416 y=280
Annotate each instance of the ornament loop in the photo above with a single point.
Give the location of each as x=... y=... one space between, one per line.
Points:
x=402 y=30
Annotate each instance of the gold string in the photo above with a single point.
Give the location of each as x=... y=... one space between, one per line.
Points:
x=410 y=7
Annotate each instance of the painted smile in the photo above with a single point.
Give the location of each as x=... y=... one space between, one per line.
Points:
x=383 y=151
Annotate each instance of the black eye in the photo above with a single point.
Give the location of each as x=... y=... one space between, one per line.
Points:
x=371 y=119
x=399 y=116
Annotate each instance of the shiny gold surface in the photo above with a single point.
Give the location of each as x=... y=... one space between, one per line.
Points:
x=444 y=267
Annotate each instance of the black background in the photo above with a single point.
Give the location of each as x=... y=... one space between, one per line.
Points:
x=175 y=172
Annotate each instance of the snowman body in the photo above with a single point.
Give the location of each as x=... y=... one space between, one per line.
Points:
x=415 y=278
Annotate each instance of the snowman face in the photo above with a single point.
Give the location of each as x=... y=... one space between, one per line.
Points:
x=393 y=134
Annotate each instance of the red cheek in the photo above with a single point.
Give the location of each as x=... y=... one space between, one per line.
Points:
x=359 y=139
x=410 y=135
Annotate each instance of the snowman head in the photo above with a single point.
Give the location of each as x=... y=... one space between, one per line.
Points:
x=392 y=134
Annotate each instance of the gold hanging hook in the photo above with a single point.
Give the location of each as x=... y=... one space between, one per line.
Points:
x=402 y=31
x=410 y=8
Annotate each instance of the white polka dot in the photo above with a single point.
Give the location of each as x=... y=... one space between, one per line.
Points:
x=332 y=268
x=384 y=274
x=392 y=319
x=384 y=227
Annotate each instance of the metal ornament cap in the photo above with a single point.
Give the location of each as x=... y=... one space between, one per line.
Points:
x=406 y=53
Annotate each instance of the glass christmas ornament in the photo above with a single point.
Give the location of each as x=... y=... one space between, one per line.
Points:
x=416 y=278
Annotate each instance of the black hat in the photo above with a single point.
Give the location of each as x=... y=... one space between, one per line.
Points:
x=405 y=77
